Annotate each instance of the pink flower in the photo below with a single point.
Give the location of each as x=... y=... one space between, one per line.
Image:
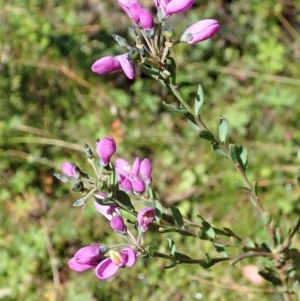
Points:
x=118 y=225
x=168 y=7
x=105 y=148
x=146 y=170
x=87 y=258
x=110 y=266
x=107 y=211
x=131 y=8
x=200 y=31
x=144 y=218
x=110 y=64
x=137 y=13
x=129 y=176
x=70 y=169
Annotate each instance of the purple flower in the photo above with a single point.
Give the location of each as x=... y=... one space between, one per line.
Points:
x=87 y=258
x=146 y=170
x=144 y=218
x=118 y=225
x=140 y=16
x=200 y=31
x=110 y=266
x=168 y=7
x=70 y=169
x=105 y=148
x=110 y=64
x=131 y=8
x=107 y=211
x=146 y=19
x=129 y=176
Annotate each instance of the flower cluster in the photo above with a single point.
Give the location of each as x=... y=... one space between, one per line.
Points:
x=153 y=41
x=135 y=180
x=94 y=256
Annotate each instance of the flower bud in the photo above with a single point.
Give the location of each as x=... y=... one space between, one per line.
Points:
x=118 y=225
x=87 y=258
x=168 y=7
x=106 y=65
x=146 y=168
x=105 y=148
x=120 y=40
x=200 y=31
x=144 y=218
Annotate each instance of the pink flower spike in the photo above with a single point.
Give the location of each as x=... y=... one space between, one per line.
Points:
x=126 y=66
x=118 y=225
x=146 y=168
x=200 y=31
x=106 y=65
x=87 y=258
x=144 y=218
x=178 y=6
x=105 y=148
x=110 y=266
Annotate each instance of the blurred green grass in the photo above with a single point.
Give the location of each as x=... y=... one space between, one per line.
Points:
x=51 y=103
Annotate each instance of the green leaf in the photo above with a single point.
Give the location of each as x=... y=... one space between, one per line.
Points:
x=158 y=210
x=204 y=134
x=217 y=150
x=152 y=72
x=207 y=232
x=181 y=256
x=175 y=108
x=298 y=154
x=223 y=128
x=199 y=100
x=166 y=230
x=238 y=155
x=249 y=242
x=171 y=66
x=171 y=245
x=177 y=216
x=172 y=265
x=220 y=249
x=298 y=180
x=124 y=200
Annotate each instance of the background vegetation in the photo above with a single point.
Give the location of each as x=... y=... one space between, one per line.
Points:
x=51 y=103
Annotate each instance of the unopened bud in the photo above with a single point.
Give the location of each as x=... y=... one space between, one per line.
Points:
x=62 y=177
x=78 y=187
x=167 y=32
x=88 y=151
x=132 y=32
x=121 y=41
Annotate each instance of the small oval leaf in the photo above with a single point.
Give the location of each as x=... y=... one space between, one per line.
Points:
x=199 y=100
x=223 y=128
x=204 y=134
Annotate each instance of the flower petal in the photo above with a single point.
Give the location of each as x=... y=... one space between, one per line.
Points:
x=106 y=65
x=126 y=66
x=106 y=269
x=131 y=256
x=105 y=148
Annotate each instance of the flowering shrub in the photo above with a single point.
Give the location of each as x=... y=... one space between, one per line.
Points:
x=115 y=183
